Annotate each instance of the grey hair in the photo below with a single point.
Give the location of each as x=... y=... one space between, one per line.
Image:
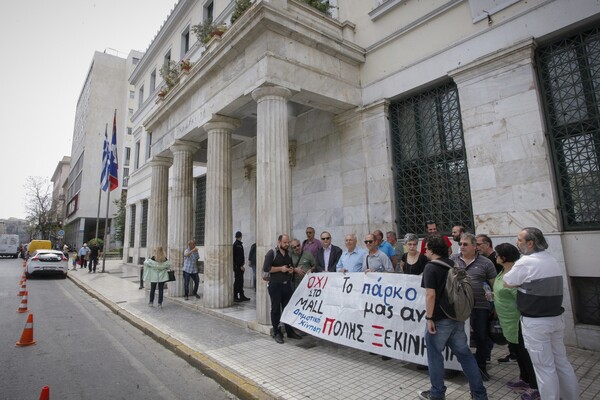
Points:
x=470 y=237
x=539 y=242
x=410 y=237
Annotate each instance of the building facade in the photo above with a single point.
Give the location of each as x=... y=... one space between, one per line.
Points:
x=105 y=91
x=382 y=116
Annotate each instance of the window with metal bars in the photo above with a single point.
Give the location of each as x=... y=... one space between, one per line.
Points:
x=431 y=179
x=200 y=209
x=132 y=226
x=569 y=74
x=144 y=224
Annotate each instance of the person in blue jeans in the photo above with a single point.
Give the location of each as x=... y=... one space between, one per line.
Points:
x=155 y=271
x=442 y=331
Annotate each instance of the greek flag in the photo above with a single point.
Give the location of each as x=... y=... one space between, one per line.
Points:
x=109 y=180
x=105 y=164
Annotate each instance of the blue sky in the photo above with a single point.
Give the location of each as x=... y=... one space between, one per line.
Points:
x=47 y=47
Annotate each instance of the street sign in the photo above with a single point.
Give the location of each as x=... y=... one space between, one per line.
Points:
x=60 y=233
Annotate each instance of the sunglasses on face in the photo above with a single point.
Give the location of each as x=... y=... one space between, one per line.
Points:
x=368 y=241
x=326 y=238
x=296 y=246
x=465 y=244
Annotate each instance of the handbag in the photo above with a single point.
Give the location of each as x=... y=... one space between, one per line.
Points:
x=171 y=276
x=496 y=333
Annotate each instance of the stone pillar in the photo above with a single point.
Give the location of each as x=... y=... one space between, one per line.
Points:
x=273 y=182
x=218 y=262
x=181 y=221
x=158 y=205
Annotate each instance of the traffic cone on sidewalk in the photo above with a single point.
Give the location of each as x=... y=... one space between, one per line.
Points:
x=23 y=289
x=23 y=306
x=27 y=335
x=45 y=395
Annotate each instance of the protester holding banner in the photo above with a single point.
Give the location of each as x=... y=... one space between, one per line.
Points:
x=302 y=262
x=442 y=331
x=278 y=264
x=375 y=260
x=352 y=258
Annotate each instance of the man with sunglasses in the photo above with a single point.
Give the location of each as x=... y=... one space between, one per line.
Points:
x=328 y=255
x=375 y=260
x=310 y=243
x=302 y=262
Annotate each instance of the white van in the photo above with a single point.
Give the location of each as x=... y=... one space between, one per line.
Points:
x=9 y=245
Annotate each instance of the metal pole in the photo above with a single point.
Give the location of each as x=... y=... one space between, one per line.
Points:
x=98 y=214
x=105 y=231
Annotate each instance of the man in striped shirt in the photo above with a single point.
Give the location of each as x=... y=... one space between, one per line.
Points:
x=539 y=282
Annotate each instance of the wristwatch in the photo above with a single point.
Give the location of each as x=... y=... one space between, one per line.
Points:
x=429 y=318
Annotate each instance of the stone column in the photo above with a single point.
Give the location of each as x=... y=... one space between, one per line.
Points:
x=158 y=205
x=182 y=211
x=273 y=182
x=218 y=262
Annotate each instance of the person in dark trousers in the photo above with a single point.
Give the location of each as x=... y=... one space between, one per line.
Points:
x=190 y=270
x=252 y=263
x=278 y=264
x=93 y=262
x=238 y=269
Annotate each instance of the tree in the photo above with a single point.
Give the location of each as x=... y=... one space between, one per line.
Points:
x=119 y=217
x=38 y=203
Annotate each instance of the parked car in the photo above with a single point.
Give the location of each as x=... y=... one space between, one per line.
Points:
x=46 y=262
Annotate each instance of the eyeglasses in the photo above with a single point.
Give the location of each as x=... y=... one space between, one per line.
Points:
x=326 y=238
x=465 y=244
x=296 y=246
x=368 y=241
x=480 y=244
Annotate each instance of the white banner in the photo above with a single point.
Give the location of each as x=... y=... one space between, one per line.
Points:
x=380 y=313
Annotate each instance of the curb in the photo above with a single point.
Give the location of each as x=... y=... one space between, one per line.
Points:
x=235 y=383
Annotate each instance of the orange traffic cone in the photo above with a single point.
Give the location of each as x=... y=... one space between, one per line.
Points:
x=27 y=335
x=23 y=306
x=45 y=395
x=23 y=289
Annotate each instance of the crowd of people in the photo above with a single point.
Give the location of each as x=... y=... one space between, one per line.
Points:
x=520 y=285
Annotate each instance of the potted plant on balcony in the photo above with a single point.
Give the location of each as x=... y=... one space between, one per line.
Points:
x=240 y=8
x=163 y=92
x=185 y=65
x=219 y=30
x=203 y=31
x=170 y=73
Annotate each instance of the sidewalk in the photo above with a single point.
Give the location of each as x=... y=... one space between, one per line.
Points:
x=252 y=366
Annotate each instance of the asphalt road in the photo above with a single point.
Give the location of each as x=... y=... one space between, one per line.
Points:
x=83 y=350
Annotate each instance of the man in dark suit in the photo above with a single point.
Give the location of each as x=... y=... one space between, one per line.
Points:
x=328 y=255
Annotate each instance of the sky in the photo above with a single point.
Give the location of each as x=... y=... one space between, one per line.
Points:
x=47 y=49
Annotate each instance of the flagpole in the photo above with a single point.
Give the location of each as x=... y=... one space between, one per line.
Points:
x=98 y=214
x=105 y=231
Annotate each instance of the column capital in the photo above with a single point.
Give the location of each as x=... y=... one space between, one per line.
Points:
x=221 y=122
x=277 y=91
x=160 y=162
x=184 y=145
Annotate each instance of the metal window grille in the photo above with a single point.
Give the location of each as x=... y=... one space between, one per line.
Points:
x=569 y=74
x=586 y=292
x=144 y=224
x=132 y=226
x=200 y=209
x=429 y=161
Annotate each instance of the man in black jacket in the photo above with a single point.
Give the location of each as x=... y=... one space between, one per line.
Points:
x=238 y=269
x=328 y=255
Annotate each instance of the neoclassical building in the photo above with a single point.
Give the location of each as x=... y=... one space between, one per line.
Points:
x=381 y=115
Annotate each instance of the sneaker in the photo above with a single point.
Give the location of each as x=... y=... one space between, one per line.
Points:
x=517 y=385
x=531 y=394
x=508 y=359
x=150 y=305
x=426 y=395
